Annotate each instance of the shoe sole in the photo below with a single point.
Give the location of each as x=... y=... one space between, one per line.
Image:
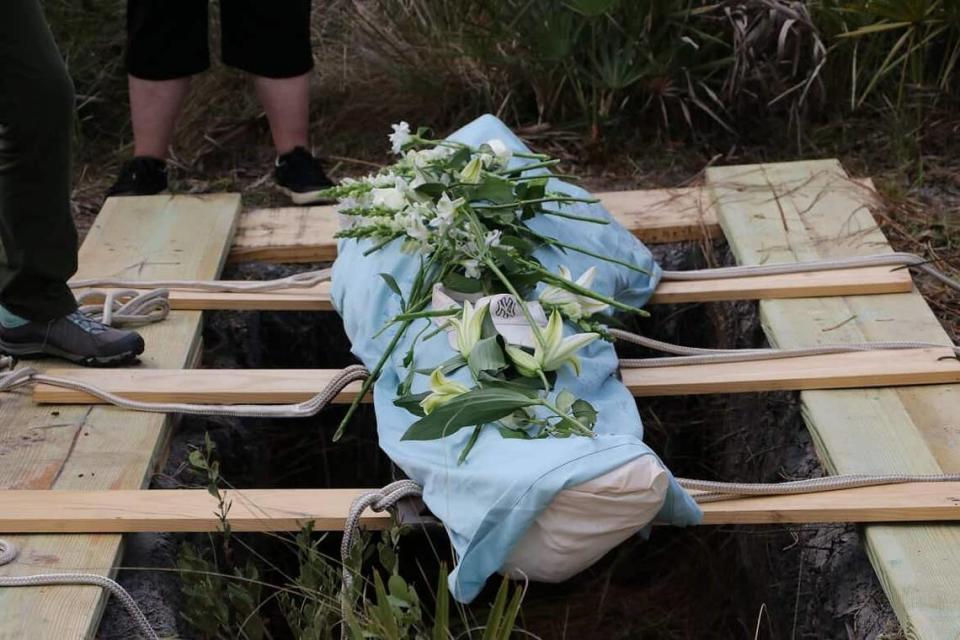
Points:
x=305 y=197
x=37 y=350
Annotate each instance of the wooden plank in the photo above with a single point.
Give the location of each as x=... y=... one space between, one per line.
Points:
x=194 y=510
x=92 y=448
x=838 y=282
x=814 y=210
x=280 y=386
x=299 y=234
x=870 y=280
x=128 y=511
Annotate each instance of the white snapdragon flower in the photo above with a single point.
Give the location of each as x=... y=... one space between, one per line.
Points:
x=400 y=137
x=492 y=238
x=570 y=304
x=389 y=198
x=446 y=211
x=471 y=268
x=413 y=225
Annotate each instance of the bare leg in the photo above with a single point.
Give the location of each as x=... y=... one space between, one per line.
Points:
x=287 y=103
x=154 y=107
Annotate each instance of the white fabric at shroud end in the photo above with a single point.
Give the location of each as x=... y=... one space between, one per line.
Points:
x=585 y=522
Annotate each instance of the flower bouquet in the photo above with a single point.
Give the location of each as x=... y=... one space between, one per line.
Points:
x=463 y=211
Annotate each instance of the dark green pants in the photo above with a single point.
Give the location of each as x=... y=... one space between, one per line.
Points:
x=38 y=242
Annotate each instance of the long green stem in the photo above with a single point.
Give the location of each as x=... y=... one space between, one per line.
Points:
x=588 y=293
x=528 y=167
x=571 y=216
x=523 y=203
x=416 y=315
x=587 y=252
x=472 y=441
x=370 y=380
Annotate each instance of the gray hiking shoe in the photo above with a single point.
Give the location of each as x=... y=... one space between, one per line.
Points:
x=76 y=337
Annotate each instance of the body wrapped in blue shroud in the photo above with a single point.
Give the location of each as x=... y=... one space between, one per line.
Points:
x=488 y=502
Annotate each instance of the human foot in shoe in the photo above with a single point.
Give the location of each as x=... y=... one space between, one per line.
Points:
x=140 y=176
x=300 y=175
x=75 y=337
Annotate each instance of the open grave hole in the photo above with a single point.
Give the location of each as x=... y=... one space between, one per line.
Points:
x=702 y=582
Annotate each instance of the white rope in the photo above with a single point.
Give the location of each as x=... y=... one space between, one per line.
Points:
x=716 y=491
x=682 y=355
x=900 y=259
x=126 y=306
x=27 y=377
x=377 y=500
x=136 y=302
x=9 y=552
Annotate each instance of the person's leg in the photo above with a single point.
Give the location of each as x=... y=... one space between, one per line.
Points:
x=271 y=41
x=38 y=241
x=38 y=238
x=154 y=107
x=166 y=45
x=287 y=104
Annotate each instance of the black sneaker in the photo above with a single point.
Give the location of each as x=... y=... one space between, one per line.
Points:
x=141 y=176
x=301 y=176
x=76 y=337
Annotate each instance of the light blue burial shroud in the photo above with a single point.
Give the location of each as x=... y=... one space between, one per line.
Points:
x=488 y=502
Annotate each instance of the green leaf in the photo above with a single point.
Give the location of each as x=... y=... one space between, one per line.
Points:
x=463 y=284
x=392 y=283
x=528 y=386
x=493 y=189
x=486 y=355
x=565 y=400
x=432 y=189
x=446 y=367
x=441 y=616
x=514 y=434
x=585 y=413
x=477 y=407
x=197 y=460
x=460 y=158
x=411 y=402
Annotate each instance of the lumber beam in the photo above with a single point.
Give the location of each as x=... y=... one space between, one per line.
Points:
x=91 y=448
x=807 y=210
x=837 y=282
x=194 y=510
x=280 y=386
x=305 y=234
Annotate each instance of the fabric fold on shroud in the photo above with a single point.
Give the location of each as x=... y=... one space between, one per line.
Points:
x=491 y=501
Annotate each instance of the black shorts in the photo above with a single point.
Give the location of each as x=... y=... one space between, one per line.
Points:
x=167 y=39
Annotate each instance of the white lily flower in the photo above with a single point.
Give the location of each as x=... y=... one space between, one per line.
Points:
x=443 y=389
x=526 y=364
x=469 y=327
x=471 y=172
x=556 y=351
x=400 y=137
x=572 y=305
